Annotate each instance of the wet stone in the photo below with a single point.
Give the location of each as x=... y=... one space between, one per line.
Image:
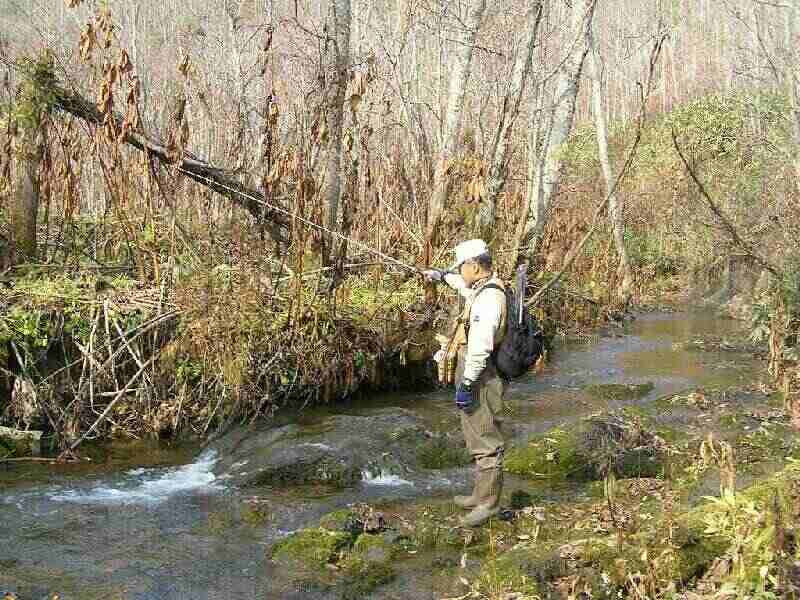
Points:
x=335 y=452
x=15 y=442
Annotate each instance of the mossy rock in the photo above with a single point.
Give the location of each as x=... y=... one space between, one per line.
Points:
x=338 y=520
x=330 y=472
x=619 y=391
x=442 y=453
x=14 y=442
x=361 y=576
x=373 y=548
x=520 y=499
x=255 y=515
x=521 y=570
x=434 y=527
x=600 y=444
x=689 y=555
x=554 y=456
x=310 y=548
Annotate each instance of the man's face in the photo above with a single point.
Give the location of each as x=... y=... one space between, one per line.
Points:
x=470 y=272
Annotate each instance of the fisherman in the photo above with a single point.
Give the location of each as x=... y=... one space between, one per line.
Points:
x=479 y=388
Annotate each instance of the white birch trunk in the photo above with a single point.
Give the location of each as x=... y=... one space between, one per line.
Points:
x=460 y=68
x=615 y=203
x=520 y=74
x=559 y=125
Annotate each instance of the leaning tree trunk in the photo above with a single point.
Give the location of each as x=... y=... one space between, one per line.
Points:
x=337 y=66
x=615 y=203
x=520 y=73
x=460 y=69
x=24 y=208
x=555 y=132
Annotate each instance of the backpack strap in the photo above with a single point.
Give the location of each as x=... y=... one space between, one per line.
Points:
x=468 y=308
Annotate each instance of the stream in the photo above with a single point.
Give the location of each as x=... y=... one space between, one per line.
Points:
x=158 y=523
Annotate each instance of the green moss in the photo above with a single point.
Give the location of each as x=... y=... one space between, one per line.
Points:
x=337 y=520
x=598 y=445
x=219 y=522
x=361 y=576
x=441 y=453
x=520 y=570
x=520 y=499
x=311 y=548
x=373 y=547
x=617 y=391
x=329 y=472
x=435 y=527
x=255 y=515
x=688 y=555
x=555 y=456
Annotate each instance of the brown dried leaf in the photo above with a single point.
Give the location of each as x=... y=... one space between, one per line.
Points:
x=87 y=43
x=125 y=65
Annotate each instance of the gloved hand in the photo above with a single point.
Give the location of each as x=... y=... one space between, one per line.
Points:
x=465 y=399
x=433 y=275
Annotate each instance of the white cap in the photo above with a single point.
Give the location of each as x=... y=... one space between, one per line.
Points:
x=467 y=250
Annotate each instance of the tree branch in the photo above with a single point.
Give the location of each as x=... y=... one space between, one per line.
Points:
x=193 y=167
x=726 y=223
x=655 y=53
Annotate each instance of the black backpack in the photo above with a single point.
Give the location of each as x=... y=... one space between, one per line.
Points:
x=523 y=342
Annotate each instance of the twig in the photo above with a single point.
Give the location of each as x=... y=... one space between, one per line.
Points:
x=112 y=404
x=141 y=330
x=727 y=225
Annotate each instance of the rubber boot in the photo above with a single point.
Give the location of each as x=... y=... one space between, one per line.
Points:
x=488 y=486
x=468 y=501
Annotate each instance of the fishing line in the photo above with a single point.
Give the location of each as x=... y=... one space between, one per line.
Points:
x=335 y=234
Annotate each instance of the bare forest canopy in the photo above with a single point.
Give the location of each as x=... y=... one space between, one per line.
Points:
x=240 y=192
x=392 y=98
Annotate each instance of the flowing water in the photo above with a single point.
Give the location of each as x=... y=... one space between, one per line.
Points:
x=154 y=523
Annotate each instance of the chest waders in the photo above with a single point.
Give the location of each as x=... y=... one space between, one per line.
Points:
x=481 y=426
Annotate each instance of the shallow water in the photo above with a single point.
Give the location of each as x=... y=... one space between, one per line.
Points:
x=157 y=525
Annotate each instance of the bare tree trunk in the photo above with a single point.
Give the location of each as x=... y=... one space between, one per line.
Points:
x=793 y=76
x=498 y=166
x=615 y=204
x=337 y=65
x=460 y=69
x=25 y=195
x=557 y=129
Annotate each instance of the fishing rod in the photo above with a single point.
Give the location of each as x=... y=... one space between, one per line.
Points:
x=336 y=234
x=288 y=213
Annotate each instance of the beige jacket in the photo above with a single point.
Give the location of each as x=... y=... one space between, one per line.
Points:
x=487 y=319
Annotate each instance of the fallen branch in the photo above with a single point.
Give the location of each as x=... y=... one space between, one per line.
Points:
x=32 y=459
x=193 y=167
x=726 y=223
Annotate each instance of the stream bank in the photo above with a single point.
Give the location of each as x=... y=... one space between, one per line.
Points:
x=386 y=528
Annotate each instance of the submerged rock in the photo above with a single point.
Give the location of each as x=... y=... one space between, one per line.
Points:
x=619 y=391
x=14 y=442
x=337 y=451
